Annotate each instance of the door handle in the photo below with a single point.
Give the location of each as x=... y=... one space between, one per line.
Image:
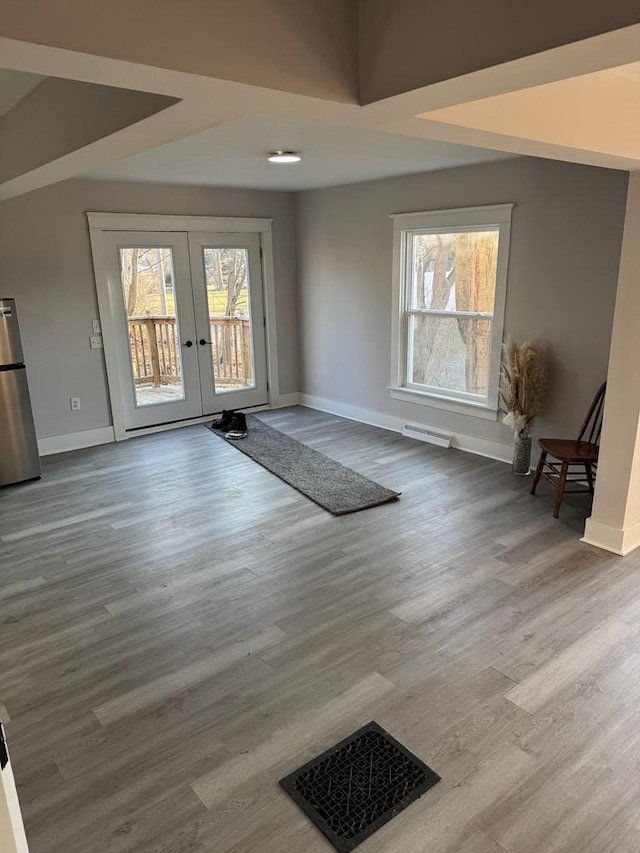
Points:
x=204 y=343
x=188 y=343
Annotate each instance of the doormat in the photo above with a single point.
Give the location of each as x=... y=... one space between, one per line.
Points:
x=331 y=485
x=358 y=785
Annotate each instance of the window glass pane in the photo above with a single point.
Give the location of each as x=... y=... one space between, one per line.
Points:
x=227 y=278
x=450 y=353
x=148 y=290
x=454 y=272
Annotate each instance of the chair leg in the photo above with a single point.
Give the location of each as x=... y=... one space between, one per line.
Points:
x=561 y=486
x=587 y=468
x=538 y=474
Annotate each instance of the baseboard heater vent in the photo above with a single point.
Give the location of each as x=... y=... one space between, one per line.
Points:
x=431 y=436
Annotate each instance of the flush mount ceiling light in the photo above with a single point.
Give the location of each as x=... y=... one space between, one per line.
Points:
x=284 y=157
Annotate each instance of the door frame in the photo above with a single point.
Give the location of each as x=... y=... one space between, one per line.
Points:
x=101 y=223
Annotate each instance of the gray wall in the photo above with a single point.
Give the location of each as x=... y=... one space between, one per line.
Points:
x=45 y=263
x=565 y=248
x=440 y=40
x=61 y=116
x=304 y=46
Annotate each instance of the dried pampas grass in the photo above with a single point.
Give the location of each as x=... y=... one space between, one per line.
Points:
x=523 y=375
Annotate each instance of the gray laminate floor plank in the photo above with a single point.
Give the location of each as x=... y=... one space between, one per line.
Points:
x=179 y=628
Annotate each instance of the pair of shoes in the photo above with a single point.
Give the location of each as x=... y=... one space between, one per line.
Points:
x=225 y=421
x=237 y=426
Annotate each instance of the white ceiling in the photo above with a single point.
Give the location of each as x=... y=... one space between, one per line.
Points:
x=14 y=86
x=597 y=112
x=235 y=154
x=628 y=72
x=218 y=132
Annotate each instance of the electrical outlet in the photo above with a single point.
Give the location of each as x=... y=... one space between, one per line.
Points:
x=95 y=327
x=95 y=341
x=75 y=404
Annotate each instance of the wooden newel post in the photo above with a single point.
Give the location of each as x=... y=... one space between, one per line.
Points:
x=12 y=835
x=153 y=350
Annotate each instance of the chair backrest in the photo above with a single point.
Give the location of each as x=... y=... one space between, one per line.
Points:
x=592 y=426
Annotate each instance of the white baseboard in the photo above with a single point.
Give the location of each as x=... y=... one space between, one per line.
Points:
x=105 y=435
x=469 y=443
x=75 y=440
x=284 y=400
x=615 y=539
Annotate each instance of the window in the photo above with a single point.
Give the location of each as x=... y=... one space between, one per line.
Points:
x=450 y=274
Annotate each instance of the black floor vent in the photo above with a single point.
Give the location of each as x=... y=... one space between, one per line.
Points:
x=358 y=785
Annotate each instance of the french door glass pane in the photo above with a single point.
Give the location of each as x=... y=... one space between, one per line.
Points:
x=450 y=353
x=230 y=334
x=148 y=289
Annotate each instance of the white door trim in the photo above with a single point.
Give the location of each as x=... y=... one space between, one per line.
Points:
x=170 y=222
x=12 y=835
x=99 y=223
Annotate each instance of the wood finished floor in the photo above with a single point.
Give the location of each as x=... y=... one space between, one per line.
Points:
x=179 y=629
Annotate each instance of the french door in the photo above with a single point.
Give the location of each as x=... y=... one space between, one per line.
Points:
x=229 y=313
x=187 y=321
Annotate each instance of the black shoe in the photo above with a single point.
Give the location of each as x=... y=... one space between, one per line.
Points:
x=225 y=421
x=237 y=426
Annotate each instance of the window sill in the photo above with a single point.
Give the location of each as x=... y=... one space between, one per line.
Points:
x=441 y=401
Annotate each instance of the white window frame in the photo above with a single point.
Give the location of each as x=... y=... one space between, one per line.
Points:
x=405 y=227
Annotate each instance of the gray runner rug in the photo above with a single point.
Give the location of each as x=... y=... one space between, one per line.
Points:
x=331 y=485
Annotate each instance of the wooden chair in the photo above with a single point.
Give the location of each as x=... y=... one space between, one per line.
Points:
x=575 y=459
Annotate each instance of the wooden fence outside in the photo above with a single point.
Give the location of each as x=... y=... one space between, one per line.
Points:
x=155 y=351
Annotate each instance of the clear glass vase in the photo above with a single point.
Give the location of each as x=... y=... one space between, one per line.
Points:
x=521 y=464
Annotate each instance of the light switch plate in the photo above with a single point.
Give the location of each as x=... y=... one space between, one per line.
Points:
x=95 y=327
